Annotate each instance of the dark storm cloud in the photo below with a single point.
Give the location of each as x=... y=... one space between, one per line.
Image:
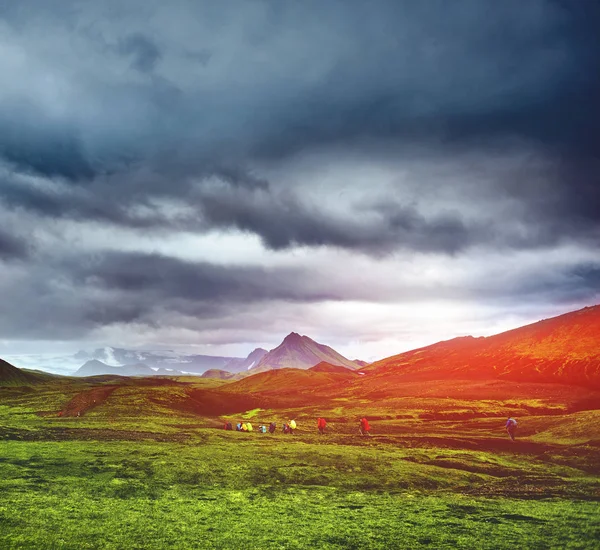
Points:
x=285 y=221
x=155 y=276
x=147 y=122
x=33 y=143
x=143 y=51
x=12 y=247
x=77 y=294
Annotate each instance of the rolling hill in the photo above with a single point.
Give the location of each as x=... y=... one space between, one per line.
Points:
x=217 y=374
x=12 y=376
x=289 y=380
x=300 y=352
x=563 y=349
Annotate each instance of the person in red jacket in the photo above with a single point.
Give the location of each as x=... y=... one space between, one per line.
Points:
x=321 y=425
x=364 y=427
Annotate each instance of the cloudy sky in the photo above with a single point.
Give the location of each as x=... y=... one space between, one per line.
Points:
x=209 y=176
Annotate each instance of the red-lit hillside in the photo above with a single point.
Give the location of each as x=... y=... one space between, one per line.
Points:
x=320 y=379
x=563 y=349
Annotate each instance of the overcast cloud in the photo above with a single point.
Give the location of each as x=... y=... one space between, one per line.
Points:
x=377 y=176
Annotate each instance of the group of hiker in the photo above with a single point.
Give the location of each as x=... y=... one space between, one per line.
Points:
x=364 y=427
x=288 y=427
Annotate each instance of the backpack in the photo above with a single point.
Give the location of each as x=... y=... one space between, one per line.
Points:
x=293 y=424
x=272 y=427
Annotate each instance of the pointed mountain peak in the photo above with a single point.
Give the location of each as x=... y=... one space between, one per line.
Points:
x=300 y=352
x=292 y=337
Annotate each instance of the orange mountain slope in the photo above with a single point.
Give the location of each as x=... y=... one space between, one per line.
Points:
x=564 y=349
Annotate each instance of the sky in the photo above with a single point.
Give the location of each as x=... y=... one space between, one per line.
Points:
x=208 y=177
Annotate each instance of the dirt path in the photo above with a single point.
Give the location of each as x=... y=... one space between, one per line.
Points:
x=87 y=400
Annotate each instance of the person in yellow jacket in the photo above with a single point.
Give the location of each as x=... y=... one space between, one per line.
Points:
x=244 y=427
x=292 y=425
x=249 y=426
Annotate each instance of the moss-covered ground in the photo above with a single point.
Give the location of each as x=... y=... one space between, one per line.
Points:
x=138 y=472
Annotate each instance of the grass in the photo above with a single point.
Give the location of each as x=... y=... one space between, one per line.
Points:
x=136 y=472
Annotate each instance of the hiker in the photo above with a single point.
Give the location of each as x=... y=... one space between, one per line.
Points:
x=292 y=426
x=244 y=427
x=364 y=427
x=272 y=427
x=321 y=425
x=227 y=426
x=286 y=428
x=249 y=426
x=262 y=429
x=511 y=427
x=238 y=427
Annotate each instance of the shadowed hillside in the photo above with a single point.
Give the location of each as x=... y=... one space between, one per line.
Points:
x=564 y=349
x=300 y=352
x=12 y=376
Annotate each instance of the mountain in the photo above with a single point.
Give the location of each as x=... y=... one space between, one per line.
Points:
x=12 y=376
x=563 y=349
x=300 y=352
x=242 y=365
x=165 y=359
x=94 y=367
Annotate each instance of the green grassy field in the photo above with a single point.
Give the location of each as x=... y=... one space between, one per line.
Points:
x=139 y=471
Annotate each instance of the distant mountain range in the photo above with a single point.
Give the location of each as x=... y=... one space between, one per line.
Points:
x=563 y=349
x=93 y=367
x=195 y=364
x=153 y=364
x=300 y=352
x=294 y=352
